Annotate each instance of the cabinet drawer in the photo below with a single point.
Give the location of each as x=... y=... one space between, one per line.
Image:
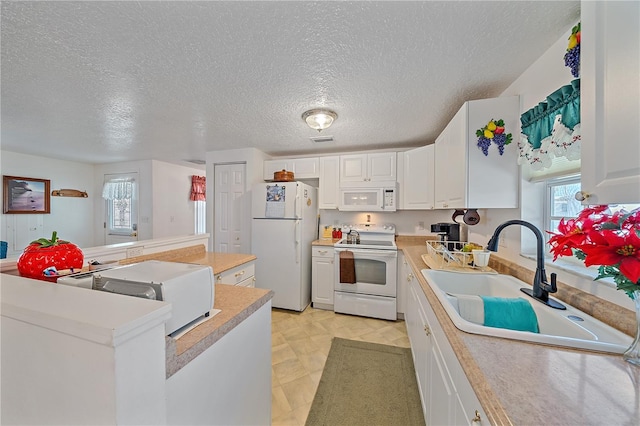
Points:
x=247 y=282
x=236 y=275
x=322 y=251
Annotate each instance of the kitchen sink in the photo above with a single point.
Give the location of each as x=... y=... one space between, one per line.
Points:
x=571 y=327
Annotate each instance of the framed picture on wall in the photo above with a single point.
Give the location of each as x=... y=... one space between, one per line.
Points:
x=25 y=195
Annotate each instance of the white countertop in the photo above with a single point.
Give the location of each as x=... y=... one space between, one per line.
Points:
x=101 y=317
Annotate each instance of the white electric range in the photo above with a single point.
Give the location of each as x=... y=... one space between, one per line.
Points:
x=373 y=270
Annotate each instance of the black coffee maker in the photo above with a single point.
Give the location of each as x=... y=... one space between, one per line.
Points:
x=448 y=232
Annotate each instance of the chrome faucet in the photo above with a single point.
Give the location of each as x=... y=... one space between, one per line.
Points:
x=541 y=288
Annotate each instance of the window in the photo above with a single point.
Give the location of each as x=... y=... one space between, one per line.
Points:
x=200 y=217
x=120 y=197
x=561 y=201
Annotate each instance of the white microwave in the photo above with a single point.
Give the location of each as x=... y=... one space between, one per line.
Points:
x=376 y=199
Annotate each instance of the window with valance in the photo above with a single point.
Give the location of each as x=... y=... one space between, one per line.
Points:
x=551 y=130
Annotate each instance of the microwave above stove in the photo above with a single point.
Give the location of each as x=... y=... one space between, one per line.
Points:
x=380 y=198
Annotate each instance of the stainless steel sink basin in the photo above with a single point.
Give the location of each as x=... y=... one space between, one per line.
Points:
x=571 y=328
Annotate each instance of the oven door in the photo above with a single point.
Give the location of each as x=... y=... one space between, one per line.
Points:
x=375 y=272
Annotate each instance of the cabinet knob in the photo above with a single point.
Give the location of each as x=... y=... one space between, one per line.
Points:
x=219 y=278
x=476 y=418
x=427 y=330
x=409 y=277
x=581 y=195
x=445 y=205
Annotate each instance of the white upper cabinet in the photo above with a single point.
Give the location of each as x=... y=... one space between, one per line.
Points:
x=271 y=166
x=464 y=176
x=306 y=168
x=328 y=190
x=610 y=106
x=364 y=168
x=302 y=168
x=417 y=190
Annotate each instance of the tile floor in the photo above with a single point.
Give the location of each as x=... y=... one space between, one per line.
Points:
x=300 y=344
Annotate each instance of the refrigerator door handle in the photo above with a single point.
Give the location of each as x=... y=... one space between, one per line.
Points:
x=297 y=237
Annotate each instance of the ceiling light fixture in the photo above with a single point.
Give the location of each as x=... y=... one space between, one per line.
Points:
x=319 y=119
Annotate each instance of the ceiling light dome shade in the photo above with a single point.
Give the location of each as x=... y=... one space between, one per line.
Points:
x=319 y=119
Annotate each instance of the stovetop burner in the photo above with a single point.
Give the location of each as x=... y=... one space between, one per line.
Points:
x=371 y=236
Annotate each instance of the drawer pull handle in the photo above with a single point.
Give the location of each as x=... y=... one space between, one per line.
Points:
x=427 y=330
x=239 y=274
x=477 y=418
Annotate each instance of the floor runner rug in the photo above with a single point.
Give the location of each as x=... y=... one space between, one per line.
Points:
x=366 y=384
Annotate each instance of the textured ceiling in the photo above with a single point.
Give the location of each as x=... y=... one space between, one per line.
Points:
x=113 y=81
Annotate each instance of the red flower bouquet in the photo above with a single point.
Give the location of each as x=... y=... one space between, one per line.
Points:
x=599 y=237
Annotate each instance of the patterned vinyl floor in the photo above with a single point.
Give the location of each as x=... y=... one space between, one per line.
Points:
x=300 y=344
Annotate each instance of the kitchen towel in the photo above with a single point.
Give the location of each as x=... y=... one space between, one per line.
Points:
x=347 y=267
x=512 y=313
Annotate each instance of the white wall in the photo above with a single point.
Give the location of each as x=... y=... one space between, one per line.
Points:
x=163 y=189
x=173 y=212
x=71 y=217
x=407 y=222
x=145 y=197
x=163 y=194
x=542 y=78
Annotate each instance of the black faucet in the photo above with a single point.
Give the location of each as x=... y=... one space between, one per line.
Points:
x=541 y=288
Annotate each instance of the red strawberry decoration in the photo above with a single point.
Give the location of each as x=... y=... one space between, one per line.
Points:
x=499 y=130
x=42 y=254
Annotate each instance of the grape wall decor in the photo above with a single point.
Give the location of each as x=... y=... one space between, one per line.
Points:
x=493 y=132
x=572 y=57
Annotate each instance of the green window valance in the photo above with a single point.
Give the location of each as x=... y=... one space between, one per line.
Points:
x=552 y=130
x=538 y=122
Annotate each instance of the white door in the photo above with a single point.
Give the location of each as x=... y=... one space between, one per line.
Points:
x=121 y=207
x=230 y=223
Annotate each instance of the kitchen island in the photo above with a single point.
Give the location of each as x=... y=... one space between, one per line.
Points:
x=75 y=356
x=524 y=383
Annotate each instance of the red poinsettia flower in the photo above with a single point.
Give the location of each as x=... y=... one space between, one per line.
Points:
x=632 y=221
x=572 y=234
x=599 y=237
x=612 y=247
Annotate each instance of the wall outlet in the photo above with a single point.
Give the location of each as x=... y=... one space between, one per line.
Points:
x=420 y=226
x=502 y=241
x=134 y=252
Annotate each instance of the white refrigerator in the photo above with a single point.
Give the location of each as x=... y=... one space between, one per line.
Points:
x=285 y=222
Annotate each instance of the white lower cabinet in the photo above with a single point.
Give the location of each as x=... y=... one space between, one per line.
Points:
x=322 y=276
x=446 y=394
x=243 y=275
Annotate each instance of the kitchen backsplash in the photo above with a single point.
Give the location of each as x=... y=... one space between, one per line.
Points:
x=407 y=222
